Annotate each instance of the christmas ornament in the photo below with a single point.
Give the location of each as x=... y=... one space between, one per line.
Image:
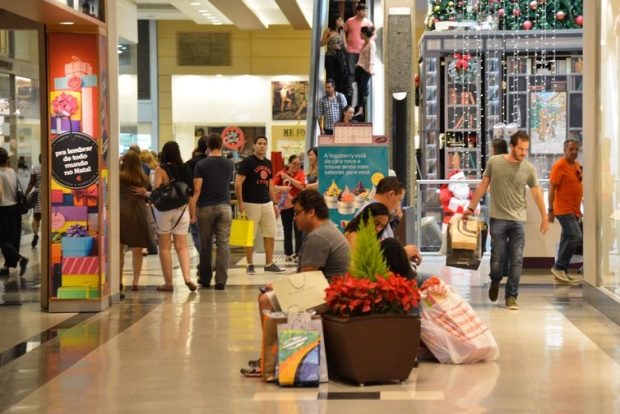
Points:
x=560 y=15
x=533 y=5
x=579 y=20
x=462 y=69
x=516 y=12
x=527 y=25
x=501 y=12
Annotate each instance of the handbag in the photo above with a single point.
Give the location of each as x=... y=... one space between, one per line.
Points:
x=464 y=234
x=32 y=198
x=464 y=258
x=22 y=202
x=242 y=232
x=171 y=196
x=306 y=289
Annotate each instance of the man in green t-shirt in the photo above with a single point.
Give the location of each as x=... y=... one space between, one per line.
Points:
x=506 y=176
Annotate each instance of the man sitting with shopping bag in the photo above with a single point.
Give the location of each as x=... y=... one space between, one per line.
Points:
x=325 y=249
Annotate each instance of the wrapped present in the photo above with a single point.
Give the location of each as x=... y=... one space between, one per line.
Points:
x=89 y=97
x=73 y=213
x=78 y=68
x=56 y=196
x=56 y=253
x=80 y=266
x=86 y=196
x=67 y=199
x=77 y=246
x=74 y=292
x=74 y=83
x=61 y=227
x=66 y=104
x=80 y=280
x=93 y=222
x=61 y=124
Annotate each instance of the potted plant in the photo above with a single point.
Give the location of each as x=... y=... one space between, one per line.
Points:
x=370 y=334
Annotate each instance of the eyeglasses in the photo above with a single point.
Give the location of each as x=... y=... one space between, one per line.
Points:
x=298 y=212
x=578 y=175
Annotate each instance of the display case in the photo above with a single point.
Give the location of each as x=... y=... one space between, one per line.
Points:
x=430 y=108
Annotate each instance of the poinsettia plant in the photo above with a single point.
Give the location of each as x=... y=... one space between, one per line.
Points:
x=369 y=287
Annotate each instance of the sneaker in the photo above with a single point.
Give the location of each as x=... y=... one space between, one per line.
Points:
x=560 y=275
x=250 y=270
x=252 y=372
x=288 y=258
x=494 y=291
x=220 y=286
x=35 y=240
x=254 y=362
x=273 y=268
x=573 y=280
x=511 y=303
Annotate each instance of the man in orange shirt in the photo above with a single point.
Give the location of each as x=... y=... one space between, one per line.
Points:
x=565 y=195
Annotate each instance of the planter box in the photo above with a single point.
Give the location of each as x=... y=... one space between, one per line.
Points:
x=373 y=348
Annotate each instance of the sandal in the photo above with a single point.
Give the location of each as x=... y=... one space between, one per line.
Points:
x=164 y=288
x=191 y=285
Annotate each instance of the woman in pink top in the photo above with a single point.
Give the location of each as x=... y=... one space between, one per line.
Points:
x=365 y=67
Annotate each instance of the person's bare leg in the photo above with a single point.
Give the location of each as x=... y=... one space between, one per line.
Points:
x=122 y=263
x=249 y=255
x=165 y=257
x=269 y=246
x=180 y=245
x=136 y=253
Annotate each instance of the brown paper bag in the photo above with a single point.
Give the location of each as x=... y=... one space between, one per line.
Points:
x=464 y=234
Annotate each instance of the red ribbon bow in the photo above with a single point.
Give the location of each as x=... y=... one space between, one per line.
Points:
x=462 y=61
x=86 y=194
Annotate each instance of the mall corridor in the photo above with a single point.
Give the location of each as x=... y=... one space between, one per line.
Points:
x=161 y=352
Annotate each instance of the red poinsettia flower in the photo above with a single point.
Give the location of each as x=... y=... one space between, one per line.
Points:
x=350 y=296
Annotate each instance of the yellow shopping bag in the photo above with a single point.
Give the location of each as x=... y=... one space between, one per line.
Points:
x=242 y=232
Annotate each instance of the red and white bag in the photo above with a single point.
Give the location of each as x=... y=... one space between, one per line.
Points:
x=451 y=329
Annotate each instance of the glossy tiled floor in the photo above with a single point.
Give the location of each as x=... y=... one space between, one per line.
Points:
x=181 y=352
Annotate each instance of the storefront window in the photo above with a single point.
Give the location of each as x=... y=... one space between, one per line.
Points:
x=609 y=147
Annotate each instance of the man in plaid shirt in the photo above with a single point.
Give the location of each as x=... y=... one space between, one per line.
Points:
x=330 y=108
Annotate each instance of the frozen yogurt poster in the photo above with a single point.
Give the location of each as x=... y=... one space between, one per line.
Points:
x=348 y=177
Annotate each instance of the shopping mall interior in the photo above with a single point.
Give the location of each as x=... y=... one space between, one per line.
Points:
x=83 y=81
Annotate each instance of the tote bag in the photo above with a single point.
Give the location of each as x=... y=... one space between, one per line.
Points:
x=306 y=289
x=242 y=232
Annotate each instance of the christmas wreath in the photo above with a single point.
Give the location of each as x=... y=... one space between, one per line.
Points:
x=462 y=69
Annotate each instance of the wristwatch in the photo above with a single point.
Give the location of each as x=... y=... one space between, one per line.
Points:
x=470 y=209
x=549 y=210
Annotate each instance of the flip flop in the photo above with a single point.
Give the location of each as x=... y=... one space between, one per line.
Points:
x=164 y=288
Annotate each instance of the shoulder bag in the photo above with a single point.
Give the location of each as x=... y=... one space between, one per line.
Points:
x=171 y=196
x=22 y=202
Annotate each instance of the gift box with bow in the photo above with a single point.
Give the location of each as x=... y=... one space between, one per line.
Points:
x=66 y=104
x=78 y=68
x=86 y=196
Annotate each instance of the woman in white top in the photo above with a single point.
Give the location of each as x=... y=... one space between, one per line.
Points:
x=10 y=218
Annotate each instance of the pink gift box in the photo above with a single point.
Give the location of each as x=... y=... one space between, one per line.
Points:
x=78 y=68
x=80 y=265
x=73 y=213
x=57 y=196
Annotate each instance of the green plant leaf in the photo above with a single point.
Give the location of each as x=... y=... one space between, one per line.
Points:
x=367 y=259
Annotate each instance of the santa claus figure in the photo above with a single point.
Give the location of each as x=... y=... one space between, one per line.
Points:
x=454 y=197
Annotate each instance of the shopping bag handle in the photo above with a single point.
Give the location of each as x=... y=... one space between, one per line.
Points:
x=290 y=281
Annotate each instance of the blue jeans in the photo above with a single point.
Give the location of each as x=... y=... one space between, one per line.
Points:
x=569 y=241
x=214 y=221
x=193 y=229
x=501 y=232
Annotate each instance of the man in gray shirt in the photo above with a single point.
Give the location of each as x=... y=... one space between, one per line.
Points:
x=507 y=175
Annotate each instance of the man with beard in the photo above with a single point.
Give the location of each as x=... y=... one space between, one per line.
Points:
x=565 y=194
x=507 y=175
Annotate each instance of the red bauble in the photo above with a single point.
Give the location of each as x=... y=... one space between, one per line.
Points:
x=436 y=20
x=527 y=25
x=460 y=4
x=516 y=12
x=533 y=5
x=451 y=19
x=501 y=12
x=579 y=20
x=542 y=1
x=560 y=15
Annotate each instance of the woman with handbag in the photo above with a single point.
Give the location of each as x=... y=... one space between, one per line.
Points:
x=173 y=222
x=335 y=43
x=10 y=218
x=134 y=220
x=287 y=184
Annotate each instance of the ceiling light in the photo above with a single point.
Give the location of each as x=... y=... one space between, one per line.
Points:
x=219 y=75
x=195 y=3
x=203 y=11
x=67 y=23
x=217 y=23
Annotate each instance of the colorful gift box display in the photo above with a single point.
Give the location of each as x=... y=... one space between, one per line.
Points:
x=72 y=213
x=75 y=292
x=86 y=196
x=80 y=280
x=93 y=222
x=56 y=196
x=76 y=243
